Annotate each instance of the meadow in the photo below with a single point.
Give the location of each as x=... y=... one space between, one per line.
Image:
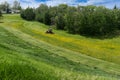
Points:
x=28 y=53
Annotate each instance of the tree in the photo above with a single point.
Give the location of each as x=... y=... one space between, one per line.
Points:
x=5 y=7
x=16 y=5
x=41 y=13
x=46 y=19
x=53 y=13
x=60 y=16
x=60 y=22
x=62 y=9
x=70 y=19
x=83 y=20
x=115 y=7
x=0 y=16
x=117 y=13
x=28 y=14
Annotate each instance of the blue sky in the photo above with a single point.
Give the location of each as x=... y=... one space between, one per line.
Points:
x=36 y=3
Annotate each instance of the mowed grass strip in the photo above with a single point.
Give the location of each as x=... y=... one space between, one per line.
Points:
x=60 y=63
x=107 y=49
x=21 y=60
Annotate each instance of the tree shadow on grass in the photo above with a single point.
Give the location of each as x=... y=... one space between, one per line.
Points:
x=1 y=21
x=102 y=37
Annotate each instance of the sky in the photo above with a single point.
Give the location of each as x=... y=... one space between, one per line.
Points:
x=36 y=3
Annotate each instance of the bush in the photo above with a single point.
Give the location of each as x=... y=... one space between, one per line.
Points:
x=28 y=14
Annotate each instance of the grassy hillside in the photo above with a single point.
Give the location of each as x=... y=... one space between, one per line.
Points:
x=27 y=53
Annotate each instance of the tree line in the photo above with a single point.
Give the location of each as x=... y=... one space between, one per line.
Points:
x=5 y=7
x=84 y=20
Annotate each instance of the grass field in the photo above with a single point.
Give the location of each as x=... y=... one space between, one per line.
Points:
x=28 y=53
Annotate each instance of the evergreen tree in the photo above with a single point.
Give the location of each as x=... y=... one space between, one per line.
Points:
x=115 y=7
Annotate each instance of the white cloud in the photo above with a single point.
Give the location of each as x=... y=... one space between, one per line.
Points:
x=34 y=3
x=30 y=3
x=106 y=3
x=112 y=4
x=92 y=2
x=57 y=2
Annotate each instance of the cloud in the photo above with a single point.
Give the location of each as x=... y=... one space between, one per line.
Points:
x=106 y=3
x=9 y=1
x=57 y=2
x=29 y=3
x=91 y=2
x=36 y=3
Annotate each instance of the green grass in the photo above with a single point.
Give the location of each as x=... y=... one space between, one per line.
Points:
x=27 y=53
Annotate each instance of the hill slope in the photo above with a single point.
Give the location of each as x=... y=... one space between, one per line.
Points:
x=27 y=53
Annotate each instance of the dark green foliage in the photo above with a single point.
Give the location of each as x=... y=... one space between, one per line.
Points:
x=60 y=22
x=92 y=21
x=42 y=13
x=71 y=18
x=28 y=14
x=117 y=18
x=60 y=16
x=46 y=19
x=22 y=14
x=83 y=20
x=53 y=14
x=0 y=14
x=115 y=7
